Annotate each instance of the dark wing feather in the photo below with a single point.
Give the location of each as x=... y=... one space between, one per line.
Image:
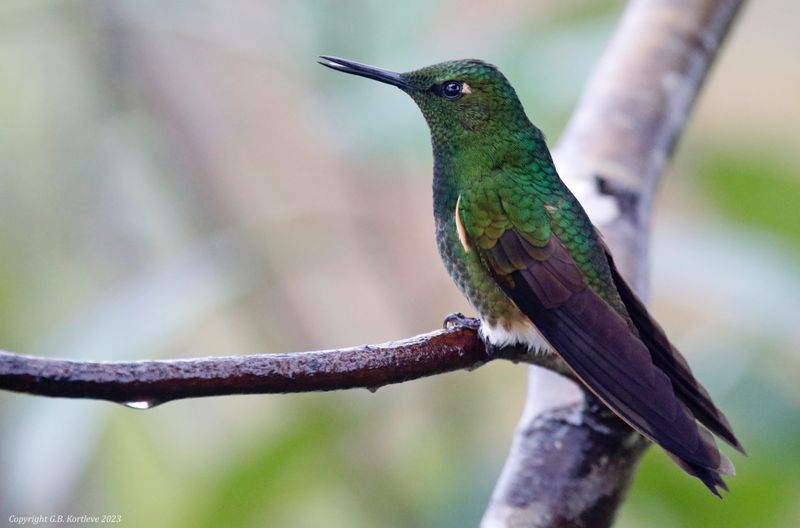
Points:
x=601 y=348
x=668 y=359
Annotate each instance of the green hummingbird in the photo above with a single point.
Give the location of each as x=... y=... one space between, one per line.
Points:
x=523 y=251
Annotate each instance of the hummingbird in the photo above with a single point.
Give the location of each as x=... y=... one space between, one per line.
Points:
x=521 y=248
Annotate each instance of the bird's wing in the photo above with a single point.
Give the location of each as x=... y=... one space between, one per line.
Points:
x=539 y=274
x=667 y=358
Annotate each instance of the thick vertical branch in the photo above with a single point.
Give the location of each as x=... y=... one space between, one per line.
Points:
x=571 y=461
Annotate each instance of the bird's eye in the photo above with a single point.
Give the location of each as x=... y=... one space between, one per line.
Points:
x=452 y=89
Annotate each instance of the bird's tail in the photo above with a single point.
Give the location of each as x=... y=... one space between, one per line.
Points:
x=711 y=477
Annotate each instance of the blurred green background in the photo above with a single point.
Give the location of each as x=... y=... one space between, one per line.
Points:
x=182 y=179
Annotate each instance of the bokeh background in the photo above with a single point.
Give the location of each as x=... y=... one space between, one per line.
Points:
x=182 y=179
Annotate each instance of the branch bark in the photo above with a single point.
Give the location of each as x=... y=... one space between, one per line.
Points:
x=148 y=383
x=571 y=461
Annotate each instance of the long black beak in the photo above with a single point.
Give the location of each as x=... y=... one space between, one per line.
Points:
x=363 y=70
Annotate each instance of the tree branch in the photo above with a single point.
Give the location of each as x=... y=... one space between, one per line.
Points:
x=571 y=460
x=149 y=383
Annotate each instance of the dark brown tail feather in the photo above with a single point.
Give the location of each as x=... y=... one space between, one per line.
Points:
x=669 y=360
x=711 y=477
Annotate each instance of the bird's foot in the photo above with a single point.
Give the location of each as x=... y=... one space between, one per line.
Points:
x=457 y=319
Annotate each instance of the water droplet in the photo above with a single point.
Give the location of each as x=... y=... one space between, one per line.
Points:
x=141 y=405
x=373 y=389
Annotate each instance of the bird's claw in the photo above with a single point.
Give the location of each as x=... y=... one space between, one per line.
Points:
x=457 y=319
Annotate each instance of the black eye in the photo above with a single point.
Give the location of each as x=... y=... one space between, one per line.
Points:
x=452 y=89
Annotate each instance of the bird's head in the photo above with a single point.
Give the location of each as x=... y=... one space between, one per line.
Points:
x=461 y=100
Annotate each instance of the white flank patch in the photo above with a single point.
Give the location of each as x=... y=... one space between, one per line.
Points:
x=520 y=333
